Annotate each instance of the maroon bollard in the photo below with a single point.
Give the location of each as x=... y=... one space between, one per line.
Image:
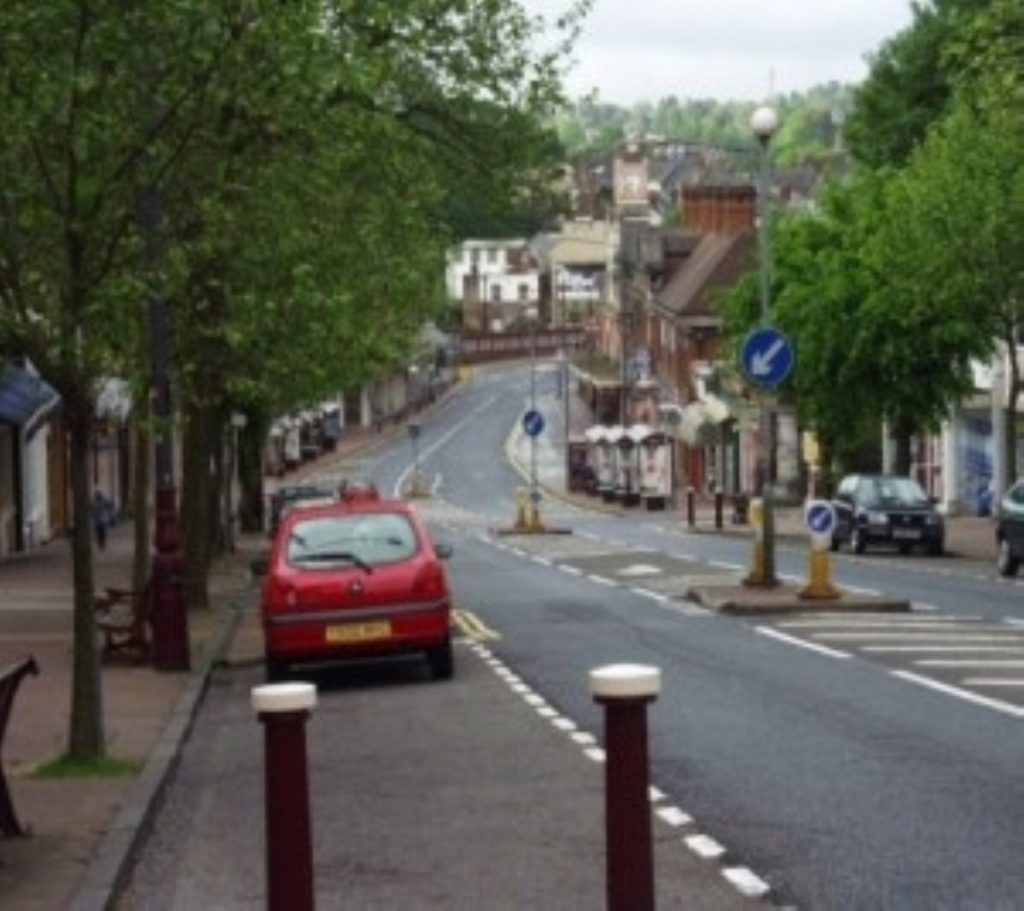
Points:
x=691 y=507
x=719 y=502
x=625 y=690
x=283 y=709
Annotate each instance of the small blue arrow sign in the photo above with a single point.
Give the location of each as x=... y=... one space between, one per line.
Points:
x=533 y=423
x=820 y=517
x=767 y=357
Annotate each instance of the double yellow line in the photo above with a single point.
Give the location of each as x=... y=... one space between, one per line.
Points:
x=472 y=627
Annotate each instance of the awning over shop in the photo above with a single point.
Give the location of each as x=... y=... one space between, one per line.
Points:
x=113 y=400
x=693 y=421
x=26 y=399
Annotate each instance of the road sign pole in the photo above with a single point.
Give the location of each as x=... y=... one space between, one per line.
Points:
x=767 y=495
x=533 y=408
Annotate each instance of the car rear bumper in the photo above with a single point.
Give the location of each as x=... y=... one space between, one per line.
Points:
x=896 y=536
x=325 y=634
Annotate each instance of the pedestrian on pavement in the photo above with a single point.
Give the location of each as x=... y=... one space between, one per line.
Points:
x=102 y=517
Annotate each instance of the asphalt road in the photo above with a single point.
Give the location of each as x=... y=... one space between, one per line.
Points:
x=850 y=761
x=823 y=754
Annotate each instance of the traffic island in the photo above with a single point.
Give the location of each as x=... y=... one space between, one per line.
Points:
x=531 y=529
x=739 y=599
x=528 y=519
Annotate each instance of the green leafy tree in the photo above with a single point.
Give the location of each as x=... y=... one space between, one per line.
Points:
x=910 y=84
x=303 y=152
x=871 y=344
x=958 y=246
x=77 y=137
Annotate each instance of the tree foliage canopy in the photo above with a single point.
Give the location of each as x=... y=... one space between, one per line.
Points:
x=911 y=270
x=279 y=174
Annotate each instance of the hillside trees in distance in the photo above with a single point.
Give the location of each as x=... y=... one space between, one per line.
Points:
x=810 y=122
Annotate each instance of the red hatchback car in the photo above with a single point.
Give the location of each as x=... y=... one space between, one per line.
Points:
x=357 y=579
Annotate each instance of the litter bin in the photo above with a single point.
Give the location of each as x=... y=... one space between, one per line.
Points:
x=740 y=509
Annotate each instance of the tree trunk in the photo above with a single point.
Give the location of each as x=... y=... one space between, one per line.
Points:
x=195 y=500
x=142 y=458
x=200 y=500
x=86 y=738
x=215 y=511
x=250 y=474
x=903 y=437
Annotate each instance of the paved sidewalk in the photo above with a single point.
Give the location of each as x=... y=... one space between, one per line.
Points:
x=69 y=818
x=83 y=829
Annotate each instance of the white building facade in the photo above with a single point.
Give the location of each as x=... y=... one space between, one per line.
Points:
x=495 y=281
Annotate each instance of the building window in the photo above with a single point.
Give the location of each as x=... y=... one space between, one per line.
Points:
x=496 y=293
x=474 y=256
x=524 y=292
x=492 y=255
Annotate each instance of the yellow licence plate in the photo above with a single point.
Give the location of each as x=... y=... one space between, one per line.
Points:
x=359 y=632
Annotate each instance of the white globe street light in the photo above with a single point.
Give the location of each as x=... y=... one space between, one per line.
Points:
x=764 y=122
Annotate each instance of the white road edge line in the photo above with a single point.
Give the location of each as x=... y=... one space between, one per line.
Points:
x=647 y=593
x=742 y=878
x=400 y=481
x=601 y=580
x=747 y=881
x=1007 y=708
x=704 y=846
x=721 y=564
x=800 y=643
x=674 y=816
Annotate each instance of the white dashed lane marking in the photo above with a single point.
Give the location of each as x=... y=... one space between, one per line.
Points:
x=746 y=882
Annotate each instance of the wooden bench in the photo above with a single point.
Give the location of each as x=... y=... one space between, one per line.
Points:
x=10 y=678
x=123 y=615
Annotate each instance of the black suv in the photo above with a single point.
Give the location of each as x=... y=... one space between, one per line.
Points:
x=1010 y=530
x=886 y=509
x=284 y=498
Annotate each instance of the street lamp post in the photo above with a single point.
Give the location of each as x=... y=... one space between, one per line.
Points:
x=763 y=123
x=531 y=316
x=170 y=621
x=417 y=487
x=563 y=373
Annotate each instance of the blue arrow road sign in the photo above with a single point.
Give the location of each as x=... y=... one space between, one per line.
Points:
x=533 y=423
x=767 y=357
x=820 y=517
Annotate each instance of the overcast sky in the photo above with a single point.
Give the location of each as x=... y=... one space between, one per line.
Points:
x=632 y=50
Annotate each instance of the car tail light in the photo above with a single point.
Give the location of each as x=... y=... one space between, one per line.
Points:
x=281 y=595
x=430 y=581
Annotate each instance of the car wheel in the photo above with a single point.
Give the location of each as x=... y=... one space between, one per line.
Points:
x=935 y=548
x=1007 y=563
x=906 y=548
x=858 y=541
x=834 y=543
x=442 y=662
x=275 y=670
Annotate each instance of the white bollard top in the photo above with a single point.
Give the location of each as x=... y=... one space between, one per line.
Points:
x=625 y=681
x=283 y=697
